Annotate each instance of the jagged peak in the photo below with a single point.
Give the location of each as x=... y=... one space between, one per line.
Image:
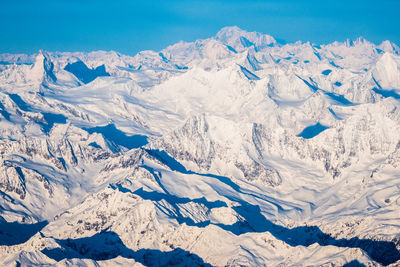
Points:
x=42 y=68
x=390 y=47
x=360 y=41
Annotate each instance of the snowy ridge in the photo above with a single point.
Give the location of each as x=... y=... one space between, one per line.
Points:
x=232 y=150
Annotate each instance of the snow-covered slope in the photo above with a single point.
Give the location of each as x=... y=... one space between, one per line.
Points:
x=233 y=150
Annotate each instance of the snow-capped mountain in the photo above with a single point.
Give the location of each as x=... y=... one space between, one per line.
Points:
x=230 y=151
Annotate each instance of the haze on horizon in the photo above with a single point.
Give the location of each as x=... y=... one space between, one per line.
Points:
x=132 y=26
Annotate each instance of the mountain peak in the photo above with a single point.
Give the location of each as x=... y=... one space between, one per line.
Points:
x=42 y=69
x=230 y=30
x=240 y=39
x=360 y=41
x=390 y=47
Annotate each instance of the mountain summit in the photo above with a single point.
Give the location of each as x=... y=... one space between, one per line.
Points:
x=239 y=39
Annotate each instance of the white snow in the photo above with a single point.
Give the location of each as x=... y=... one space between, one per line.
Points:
x=193 y=155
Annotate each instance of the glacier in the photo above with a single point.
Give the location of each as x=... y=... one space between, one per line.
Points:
x=234 y=150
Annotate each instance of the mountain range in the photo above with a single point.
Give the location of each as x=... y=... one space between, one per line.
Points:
x=234 y=150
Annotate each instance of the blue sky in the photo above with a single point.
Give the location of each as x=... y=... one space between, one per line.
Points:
x=131 y=26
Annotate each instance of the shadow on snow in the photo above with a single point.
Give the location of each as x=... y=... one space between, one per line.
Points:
x=174 y=165
x=107 y=245
x=85 y=74
x=312 y=131
x=387 y=93
x=48 y=121
x=15 y=233
x=384 y=252
x=118 y=137
x=354 y=263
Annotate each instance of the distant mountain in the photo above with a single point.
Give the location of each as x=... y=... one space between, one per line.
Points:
x=235 y=150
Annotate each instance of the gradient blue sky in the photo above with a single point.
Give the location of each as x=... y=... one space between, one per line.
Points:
x=131 y=26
